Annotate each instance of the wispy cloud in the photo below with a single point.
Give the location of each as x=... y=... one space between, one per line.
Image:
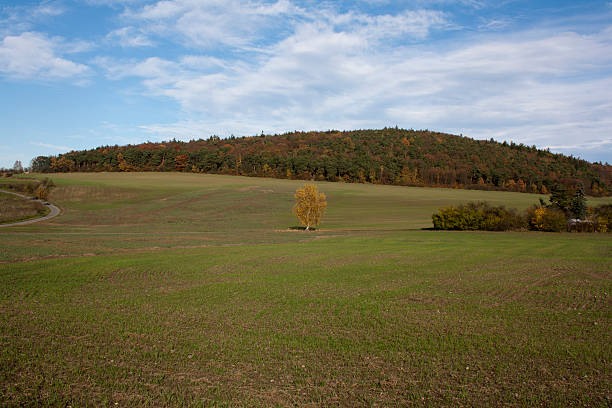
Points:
x=586 y=145
x=213 y=23
x=114 y=2
x=495 y=24
x=51 y=146
x=245 y=24
x=407 y=24
x=48 y=9
x=129 y=37
x=15 y=19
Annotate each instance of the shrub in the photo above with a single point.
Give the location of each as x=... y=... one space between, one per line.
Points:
x=477 y=216
x=546 y=219
x=601 y=225
x=602 y=217
x=449 y=218
x=483 y=216
x=43 y=189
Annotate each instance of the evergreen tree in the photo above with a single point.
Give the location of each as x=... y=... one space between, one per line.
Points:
x=561 y=198
x=578 y=205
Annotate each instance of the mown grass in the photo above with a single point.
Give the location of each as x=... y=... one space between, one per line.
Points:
x=13 y=209
x=194 y=293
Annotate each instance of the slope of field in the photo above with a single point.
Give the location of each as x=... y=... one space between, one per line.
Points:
x=188 y=290
x=110 y=212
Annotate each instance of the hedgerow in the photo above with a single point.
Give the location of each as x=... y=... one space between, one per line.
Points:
x=478 y=216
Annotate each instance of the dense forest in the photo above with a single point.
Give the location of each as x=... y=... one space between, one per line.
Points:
x=385 y=156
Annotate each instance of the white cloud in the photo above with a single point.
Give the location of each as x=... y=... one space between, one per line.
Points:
x=33 y=55
x=326 y=53
x=245 y=24
x=211 y=23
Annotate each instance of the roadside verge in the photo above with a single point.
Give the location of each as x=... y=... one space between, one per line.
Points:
x=54 y=211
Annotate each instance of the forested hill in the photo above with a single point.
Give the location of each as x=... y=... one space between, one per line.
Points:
x=386 y=156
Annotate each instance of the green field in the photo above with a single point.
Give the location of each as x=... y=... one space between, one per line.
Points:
x=189 y=290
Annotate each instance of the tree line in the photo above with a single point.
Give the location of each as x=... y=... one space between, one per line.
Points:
x=16 y=169
x=382 y=156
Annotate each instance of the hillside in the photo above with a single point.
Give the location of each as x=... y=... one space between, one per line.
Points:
x=385 y=156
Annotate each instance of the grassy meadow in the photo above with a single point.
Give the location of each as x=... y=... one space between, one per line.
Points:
x=189 y=290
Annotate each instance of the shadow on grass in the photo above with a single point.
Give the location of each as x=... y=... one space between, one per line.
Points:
x=301 y=228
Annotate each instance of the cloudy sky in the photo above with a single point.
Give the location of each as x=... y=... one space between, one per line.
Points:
x=81 y=74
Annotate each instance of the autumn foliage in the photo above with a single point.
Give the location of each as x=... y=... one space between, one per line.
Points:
x=309 y=205
x=478 y=216
x=549 y=219
x=482 y=216
x=380 y=156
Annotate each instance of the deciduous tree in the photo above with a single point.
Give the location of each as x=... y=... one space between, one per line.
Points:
x=17 y=167
x=43 y=189
x=309 y=205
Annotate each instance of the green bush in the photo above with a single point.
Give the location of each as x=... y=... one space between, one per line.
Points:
x=477 y=216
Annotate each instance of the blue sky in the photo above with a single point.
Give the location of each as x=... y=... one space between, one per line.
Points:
x=81 y=74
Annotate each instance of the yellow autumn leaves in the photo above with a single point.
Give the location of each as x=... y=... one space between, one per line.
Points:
x=309 y=205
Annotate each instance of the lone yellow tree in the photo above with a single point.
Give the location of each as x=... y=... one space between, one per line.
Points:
x=309 y=205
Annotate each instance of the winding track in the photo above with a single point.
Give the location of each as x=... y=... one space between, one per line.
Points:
x=55 y=211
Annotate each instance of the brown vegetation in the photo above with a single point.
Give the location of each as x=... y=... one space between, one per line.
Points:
x=385 y=156
x=13 y=208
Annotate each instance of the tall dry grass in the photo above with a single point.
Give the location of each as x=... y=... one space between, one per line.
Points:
x=15 y=208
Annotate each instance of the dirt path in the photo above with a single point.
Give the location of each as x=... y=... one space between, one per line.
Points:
x=55 y=211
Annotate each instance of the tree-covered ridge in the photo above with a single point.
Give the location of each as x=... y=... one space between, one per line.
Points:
x=385 y=156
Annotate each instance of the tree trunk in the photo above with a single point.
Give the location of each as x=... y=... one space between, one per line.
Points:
x=308 y=219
